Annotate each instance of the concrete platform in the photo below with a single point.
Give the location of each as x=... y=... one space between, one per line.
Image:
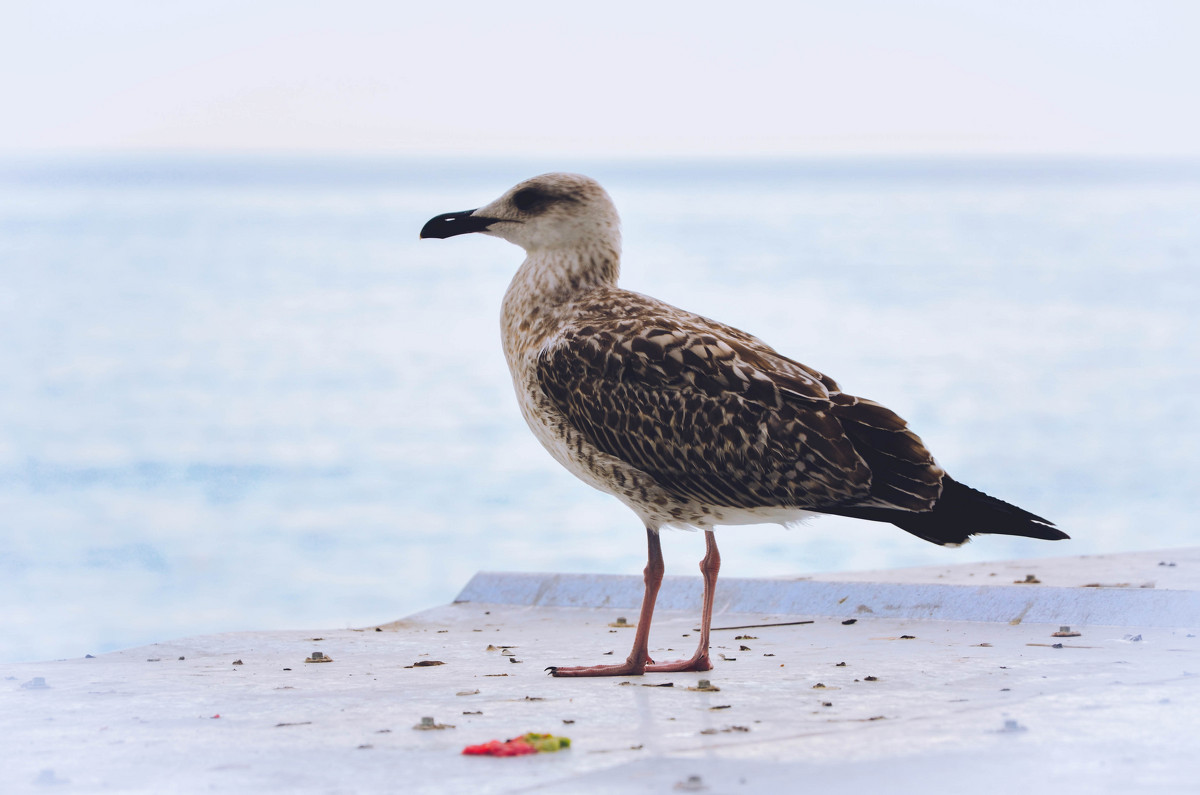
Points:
x=949 y=679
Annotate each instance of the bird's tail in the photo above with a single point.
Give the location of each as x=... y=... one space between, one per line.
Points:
x=959 y=513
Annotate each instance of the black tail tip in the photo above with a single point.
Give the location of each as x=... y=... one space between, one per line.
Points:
x=1045 y=531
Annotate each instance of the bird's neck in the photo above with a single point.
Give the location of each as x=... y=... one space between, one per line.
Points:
x=547 y=281
x=557 y=275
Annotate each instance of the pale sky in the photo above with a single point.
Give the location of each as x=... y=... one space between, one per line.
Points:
x=616 y=78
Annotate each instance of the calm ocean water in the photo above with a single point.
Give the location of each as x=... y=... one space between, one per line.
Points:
x=240 y=394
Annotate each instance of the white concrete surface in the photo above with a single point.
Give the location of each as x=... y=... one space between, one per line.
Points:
x=978 y=700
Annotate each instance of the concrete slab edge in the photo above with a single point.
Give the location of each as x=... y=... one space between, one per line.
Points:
x=1132 y=607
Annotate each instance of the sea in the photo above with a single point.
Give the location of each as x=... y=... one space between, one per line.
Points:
x=238 y=393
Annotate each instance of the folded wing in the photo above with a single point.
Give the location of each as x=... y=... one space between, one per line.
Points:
x=717 y=416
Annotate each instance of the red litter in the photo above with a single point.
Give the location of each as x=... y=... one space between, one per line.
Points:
x=531 y=743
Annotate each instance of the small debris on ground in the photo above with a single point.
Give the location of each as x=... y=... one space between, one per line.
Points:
x=727 y=729
x=1011 y=727
x=760 y=626
x=691 y=784
x=531 y=743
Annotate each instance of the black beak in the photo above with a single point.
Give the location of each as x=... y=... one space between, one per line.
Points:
x=451 y=224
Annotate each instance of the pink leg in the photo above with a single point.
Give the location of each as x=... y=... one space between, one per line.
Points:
x=635 y=664
x=708 y=569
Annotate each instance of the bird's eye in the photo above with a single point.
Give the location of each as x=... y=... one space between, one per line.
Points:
x=529 y=200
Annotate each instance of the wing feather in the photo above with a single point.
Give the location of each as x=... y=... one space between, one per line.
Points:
x=715 y=415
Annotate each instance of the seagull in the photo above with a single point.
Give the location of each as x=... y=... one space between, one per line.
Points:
x=690 y=422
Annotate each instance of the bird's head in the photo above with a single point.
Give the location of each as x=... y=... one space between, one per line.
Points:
x=547 y=212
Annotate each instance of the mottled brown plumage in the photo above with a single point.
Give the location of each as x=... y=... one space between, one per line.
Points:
x=688 y=421
x=719 y=419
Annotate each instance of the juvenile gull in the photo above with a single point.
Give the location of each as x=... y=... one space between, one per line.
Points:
x=689 y=422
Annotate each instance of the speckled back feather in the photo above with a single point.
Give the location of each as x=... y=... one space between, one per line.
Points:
x=717 y=416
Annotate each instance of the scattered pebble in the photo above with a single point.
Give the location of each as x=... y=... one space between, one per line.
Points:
x=691 y=784
x=1011 y=727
